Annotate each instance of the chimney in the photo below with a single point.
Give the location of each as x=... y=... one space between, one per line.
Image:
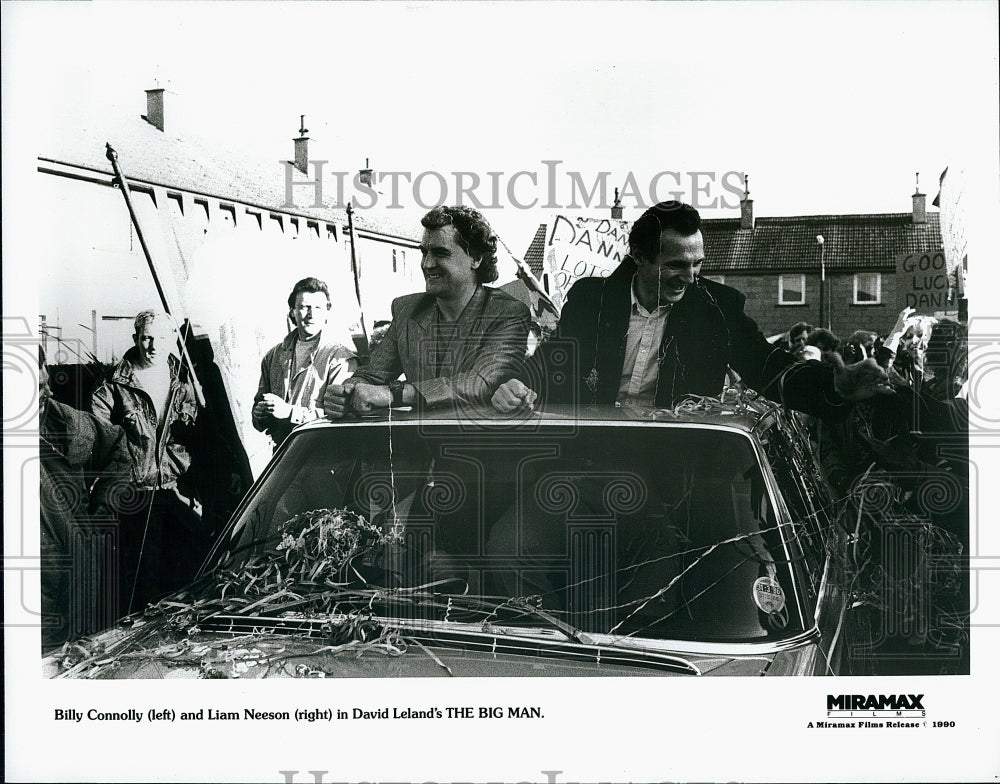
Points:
x=302 y=147
x=616 y=208
x=919 y=204
x=746 y=205
x=154 y=108
x=366 y=175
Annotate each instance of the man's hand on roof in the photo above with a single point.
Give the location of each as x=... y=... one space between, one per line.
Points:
x=368 y=397
x=859 y=381
x=513 y=395
x=337 y=398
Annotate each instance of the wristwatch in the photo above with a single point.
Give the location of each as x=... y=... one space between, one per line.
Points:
x=396 y=390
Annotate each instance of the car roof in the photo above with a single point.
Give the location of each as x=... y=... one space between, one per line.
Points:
x=729 y=413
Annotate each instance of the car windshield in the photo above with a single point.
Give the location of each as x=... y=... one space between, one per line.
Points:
x=663 y=532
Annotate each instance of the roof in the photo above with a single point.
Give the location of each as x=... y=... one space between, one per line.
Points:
x=854 y=243
x=534 y=256
x=207 y=167
x=710 y=412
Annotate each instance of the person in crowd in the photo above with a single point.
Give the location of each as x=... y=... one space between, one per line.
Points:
x=824 y=341
x=862 y=344
x=150 y=396
x=903 y=350
x=295 y=374
x=82 y=460
x=796 y=338
x=908 y=366
x=455 y=342
x=946 y=362
x=654 y=331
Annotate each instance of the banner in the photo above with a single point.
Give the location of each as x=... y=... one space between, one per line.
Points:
x=581 y=247
x=924 y=283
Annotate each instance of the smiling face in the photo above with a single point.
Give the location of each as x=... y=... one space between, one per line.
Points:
x=664 y=280
x=310 y=313
x=449 y=272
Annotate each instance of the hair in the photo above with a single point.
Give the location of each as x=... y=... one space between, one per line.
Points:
x=473 y=235
x=851 y=349
x=823 y=339
x=862 y=336
x=145 y=317
x=800 y=326
x=644 y=239
x=310 y=286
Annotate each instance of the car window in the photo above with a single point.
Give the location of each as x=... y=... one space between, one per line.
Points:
x=646 y=531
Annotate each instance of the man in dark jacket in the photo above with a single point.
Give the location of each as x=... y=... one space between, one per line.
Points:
x=654 y=331
x=456 y=342
x=150 y=396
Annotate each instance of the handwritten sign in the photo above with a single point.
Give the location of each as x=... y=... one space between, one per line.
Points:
x=923 y=281
x=580 y=247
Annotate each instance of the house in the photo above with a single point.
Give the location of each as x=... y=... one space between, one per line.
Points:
x=227 y=241
x=846 y=272
x=843 y=272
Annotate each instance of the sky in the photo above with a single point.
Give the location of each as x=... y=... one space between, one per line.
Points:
x=830 y=107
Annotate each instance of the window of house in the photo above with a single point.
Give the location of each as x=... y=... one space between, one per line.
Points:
x=791 y=289
x=868 y=288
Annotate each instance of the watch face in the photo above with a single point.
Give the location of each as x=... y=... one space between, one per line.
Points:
x=396 y=390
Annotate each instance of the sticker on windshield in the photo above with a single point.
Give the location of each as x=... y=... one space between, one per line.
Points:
x=767 y=595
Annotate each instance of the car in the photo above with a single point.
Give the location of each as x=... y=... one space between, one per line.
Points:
x=578 y=541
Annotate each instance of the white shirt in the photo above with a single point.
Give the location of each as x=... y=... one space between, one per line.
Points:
x=155 y=382
x=642 y=347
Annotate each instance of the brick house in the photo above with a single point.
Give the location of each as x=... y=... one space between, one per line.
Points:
x=775 y=262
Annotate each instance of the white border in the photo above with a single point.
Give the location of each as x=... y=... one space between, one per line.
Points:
x=597 y=729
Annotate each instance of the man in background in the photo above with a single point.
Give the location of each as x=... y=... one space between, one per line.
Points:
x=151 y=397
x=295 y=374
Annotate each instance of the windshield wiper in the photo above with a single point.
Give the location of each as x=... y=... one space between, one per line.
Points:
x=526 y=607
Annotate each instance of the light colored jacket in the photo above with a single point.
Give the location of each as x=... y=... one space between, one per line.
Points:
x=330 y=363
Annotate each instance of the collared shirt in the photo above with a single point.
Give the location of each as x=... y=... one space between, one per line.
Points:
x=642 y=346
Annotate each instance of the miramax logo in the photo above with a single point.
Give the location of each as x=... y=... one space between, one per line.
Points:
x=858 y=702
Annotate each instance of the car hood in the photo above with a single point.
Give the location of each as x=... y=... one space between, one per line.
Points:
x=146 y=651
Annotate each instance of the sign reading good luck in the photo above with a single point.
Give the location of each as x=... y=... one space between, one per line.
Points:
x=923 y=281
x=581 y=247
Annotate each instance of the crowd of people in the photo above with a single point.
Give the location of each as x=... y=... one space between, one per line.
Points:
x=651 y=333
x=923 y=353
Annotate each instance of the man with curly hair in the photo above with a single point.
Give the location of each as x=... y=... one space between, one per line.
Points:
x=456 y=342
